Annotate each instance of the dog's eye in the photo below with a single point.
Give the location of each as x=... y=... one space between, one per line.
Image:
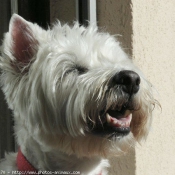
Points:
x=81 y=70
x=77 y=69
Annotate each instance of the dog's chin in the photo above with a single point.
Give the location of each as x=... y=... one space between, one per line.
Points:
x=113 y=124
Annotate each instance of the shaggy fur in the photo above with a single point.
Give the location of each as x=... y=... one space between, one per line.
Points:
x=58 y=84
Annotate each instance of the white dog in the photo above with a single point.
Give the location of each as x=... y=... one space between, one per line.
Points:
x=76 y=96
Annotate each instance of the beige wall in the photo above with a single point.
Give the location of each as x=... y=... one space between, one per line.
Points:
x=114 y=16
x=151 y=28
x=154 y=50
x=63 y=10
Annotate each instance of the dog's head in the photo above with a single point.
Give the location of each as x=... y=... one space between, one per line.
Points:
x=72 y=86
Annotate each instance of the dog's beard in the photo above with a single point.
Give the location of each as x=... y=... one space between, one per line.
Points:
x=113 y=115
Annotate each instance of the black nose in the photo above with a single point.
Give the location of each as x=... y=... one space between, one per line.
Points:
x=129 y=81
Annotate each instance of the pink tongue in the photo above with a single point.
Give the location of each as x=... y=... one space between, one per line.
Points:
x=122 y=122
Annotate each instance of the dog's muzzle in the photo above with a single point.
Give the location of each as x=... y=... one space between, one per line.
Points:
x=116 y=121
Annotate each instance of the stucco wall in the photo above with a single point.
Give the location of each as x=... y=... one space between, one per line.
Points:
x=154 y=50
x=63 y=10
x=114 y=16
x=149 y=33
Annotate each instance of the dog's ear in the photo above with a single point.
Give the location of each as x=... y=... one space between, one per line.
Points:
x=23 y=42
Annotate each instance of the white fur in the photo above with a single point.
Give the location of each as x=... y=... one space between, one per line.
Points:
x=51 y=102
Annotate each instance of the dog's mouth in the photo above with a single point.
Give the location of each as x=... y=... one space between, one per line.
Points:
x=113 y=122
x=118 y=121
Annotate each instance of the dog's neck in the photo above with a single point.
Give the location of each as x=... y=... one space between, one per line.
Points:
x=58 y=161
x=48 y=158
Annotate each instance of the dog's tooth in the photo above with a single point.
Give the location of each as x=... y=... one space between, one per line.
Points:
x=130 y=117
x=108 y=117
x=128 y=112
